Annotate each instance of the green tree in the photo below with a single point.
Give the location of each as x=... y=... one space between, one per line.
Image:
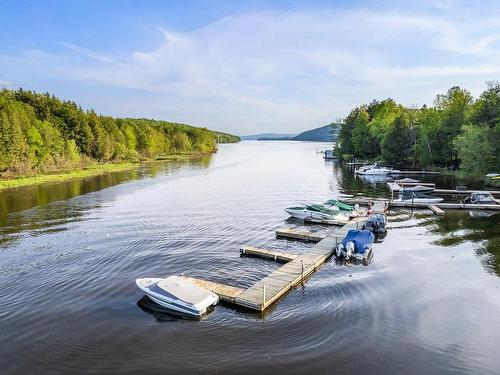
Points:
x=398 y=142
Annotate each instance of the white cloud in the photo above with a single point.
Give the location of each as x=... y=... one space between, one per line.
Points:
x=289 y=71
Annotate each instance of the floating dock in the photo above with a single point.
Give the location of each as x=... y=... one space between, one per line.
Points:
x=419 y=172
x=225 y=292
x=269 y=289
x=437 y=210
x=467 y=192
x=297 y=234
x=268 y=254
x=456 y=206
x=296 y=268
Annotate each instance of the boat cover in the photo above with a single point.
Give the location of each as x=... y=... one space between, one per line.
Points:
x=407 y=180
x=362 y=239
x=343 y=206
x=183 y=289
x=320 y=208
x=421 y=188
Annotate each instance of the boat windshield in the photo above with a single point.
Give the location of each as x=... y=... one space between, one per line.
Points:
x=319 y=208
x=482 y=197
x=407 y=194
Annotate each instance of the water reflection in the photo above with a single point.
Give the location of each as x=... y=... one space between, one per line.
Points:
x=457 y=227
x=17 y=205
x=68 y=287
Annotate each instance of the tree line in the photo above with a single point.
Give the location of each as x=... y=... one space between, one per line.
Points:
x=40 y=133
x=457 y=132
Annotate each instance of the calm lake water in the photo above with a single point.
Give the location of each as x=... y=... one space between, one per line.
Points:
x=70 y=253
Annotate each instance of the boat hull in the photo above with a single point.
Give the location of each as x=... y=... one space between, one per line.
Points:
x=175 y=304
x=304 y=214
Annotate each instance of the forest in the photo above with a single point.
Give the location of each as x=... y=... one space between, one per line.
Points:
x=40 y=133
x=458 y=132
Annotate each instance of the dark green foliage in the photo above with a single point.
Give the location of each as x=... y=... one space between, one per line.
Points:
x=398 y=142
x=457 y=131
x=40 y=133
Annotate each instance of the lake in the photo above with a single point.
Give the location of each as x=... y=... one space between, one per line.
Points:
x=70 y=253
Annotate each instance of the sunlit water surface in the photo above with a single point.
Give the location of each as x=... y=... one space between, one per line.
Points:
x=70 y=252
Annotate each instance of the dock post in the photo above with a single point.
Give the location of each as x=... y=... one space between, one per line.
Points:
x=263 y=296
x=302 y=272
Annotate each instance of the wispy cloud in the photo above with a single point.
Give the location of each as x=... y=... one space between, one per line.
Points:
x=289 y=70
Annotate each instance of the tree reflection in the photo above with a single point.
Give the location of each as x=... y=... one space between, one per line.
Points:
x=457 y=227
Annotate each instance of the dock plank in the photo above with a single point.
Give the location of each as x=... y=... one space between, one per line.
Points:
x=299 y=235
x=225 y=292
x=437 y=210
x=267 y=254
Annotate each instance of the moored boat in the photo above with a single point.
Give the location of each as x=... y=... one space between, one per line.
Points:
x=480 y=197
x=409 y=196
x=331 y=203
x=315 y=212
x=178 y=294
x=376 y=170
x=357 y=244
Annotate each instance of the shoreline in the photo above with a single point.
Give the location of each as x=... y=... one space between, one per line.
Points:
x=89 y=171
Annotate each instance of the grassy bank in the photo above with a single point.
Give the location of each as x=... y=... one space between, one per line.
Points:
x=91 y=170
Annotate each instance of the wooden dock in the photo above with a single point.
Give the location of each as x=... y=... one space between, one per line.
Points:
x=268 y=254
x=296 y=234
x=269 y=289
x=296 y=268
x=225 y=292
x=419 y=172
x=456 y=206
x=326 y=221
x=437 y=210
x=463 y=192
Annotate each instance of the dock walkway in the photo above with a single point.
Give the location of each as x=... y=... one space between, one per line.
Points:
x=269 y=289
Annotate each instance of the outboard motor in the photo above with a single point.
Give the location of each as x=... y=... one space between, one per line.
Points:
x=376 y=224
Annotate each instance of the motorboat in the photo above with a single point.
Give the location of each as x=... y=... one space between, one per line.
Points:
x=409 y=196
x=377 y=225
x=178 y=294
x=407 y=181
x=480 y=197
x=417 y=188
x=421 y=189
x=332 y=203
x=357 y=244
x=315 y=212
x=376 y=170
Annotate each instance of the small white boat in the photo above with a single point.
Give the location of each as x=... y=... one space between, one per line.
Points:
x=480 y=197
x=376 y=170
x=178 y=294
x=410 y=196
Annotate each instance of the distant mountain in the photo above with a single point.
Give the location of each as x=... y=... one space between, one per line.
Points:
x=327 y=133
x=266 y=136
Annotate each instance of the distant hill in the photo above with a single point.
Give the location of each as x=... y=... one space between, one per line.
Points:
x=267 y=136
x=322 y=134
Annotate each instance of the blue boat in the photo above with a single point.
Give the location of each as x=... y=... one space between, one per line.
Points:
x=357 y=244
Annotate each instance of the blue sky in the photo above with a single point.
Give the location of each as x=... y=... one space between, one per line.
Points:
x=247 y=66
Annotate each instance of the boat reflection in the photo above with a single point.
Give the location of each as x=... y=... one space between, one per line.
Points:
x=163 y=314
